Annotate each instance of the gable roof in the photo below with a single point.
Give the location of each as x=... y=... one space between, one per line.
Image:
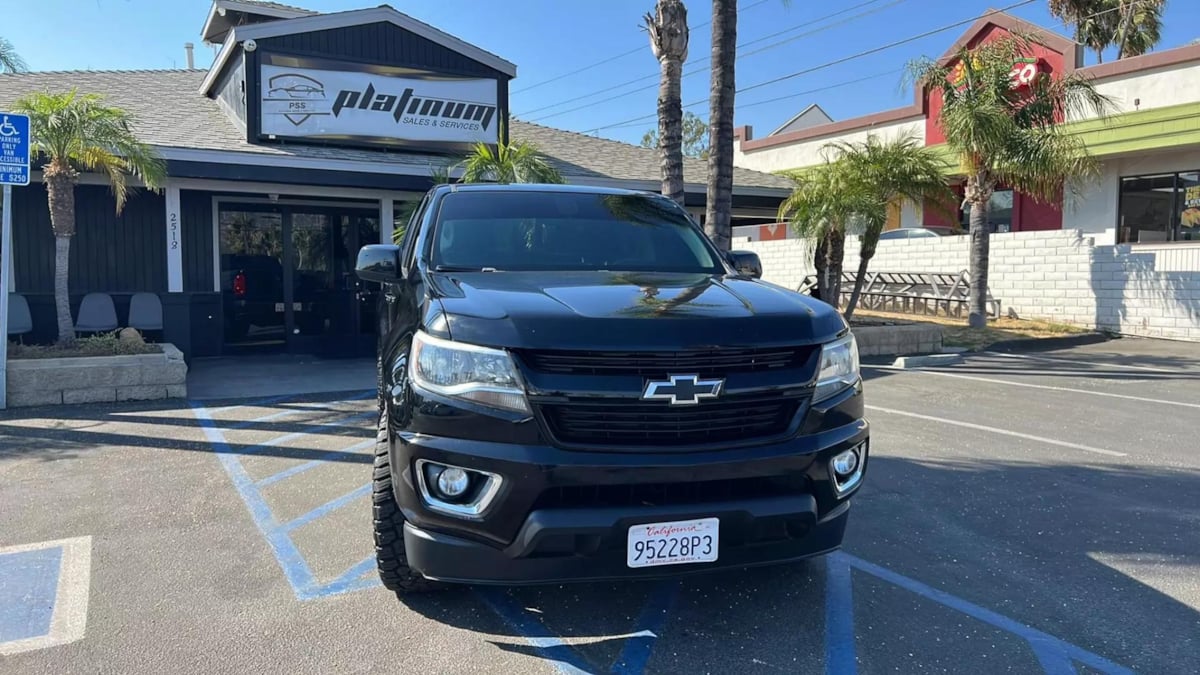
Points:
x=188 y=126
x=811 y=116
x=218 y=25
x=354 y=17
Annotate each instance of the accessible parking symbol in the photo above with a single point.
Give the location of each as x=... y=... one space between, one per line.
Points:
x=43 y=594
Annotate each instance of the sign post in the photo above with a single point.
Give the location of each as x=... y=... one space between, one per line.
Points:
x=14 y=170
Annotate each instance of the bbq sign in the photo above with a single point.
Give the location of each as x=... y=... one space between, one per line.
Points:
x=1023 y=72
x=415 y=108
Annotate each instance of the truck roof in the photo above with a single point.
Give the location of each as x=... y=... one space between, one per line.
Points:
x=538 y=187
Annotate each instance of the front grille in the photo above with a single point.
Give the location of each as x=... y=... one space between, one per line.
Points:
x=704 y=362
x=670 y=494
x=633 y=422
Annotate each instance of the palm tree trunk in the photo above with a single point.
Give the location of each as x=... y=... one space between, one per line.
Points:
x=60 y=193
x=720 y=155
x=670 y=129
x=980 y=240
x=820 y=260
x=852 y=303
x=837 y=253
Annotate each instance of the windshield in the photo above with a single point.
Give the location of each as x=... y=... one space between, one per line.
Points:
x=526 y=231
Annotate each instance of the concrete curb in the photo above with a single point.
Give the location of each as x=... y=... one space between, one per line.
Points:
x=927 y=360
x=1048 y=344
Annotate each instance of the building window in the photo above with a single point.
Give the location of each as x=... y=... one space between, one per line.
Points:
x=1000 y=212
x=1159 y=208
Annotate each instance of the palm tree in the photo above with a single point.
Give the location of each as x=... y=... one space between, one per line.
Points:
x=1140 y=26
x=1094 y=23
x=1134 y=26
x=75 y=132
x=824 y=206
x=889 y=173
x=509 y=162
x=669 y=41
x=1003 y=135
x=719 y=195
x=10 y=60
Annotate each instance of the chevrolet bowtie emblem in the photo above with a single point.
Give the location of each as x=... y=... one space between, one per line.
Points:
x=682 y=389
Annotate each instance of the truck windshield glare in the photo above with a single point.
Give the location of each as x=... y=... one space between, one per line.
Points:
x=532 y=231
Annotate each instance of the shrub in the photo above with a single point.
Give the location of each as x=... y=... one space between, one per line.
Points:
x=103 y=344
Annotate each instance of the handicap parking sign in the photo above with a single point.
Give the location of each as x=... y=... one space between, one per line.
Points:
x=14 y=149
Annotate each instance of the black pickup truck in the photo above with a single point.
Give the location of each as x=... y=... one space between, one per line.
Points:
x=575 y=384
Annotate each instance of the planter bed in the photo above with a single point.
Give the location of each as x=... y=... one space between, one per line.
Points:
x=883 y=337
x=94 y=379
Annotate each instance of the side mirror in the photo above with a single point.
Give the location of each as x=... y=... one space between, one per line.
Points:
x=378 y=262
x=747 y=263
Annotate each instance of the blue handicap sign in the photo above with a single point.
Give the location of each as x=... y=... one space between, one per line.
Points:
x=14 y=149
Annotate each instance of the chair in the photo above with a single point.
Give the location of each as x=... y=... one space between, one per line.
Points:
x=96 y=314
x=20 y=321
x=145 y=312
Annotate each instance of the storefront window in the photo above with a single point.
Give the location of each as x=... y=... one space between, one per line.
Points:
x=1189 y=206
x=1000 y=212
x=1160 y=208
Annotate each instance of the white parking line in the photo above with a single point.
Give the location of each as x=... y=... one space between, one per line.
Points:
x=1126 y=366
x=995 y=430
x=1048 y=387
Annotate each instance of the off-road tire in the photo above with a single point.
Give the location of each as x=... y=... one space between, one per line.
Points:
x=388 y=524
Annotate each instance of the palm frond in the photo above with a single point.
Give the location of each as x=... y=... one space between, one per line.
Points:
x=10 y=60
x=84 y=132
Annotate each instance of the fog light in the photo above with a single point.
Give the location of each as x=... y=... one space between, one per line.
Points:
x=846 y=469
x=845 y=463
x=453 y=482
x=456 y=491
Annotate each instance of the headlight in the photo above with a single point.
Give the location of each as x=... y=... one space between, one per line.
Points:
x=839 y=367
x=470 y=372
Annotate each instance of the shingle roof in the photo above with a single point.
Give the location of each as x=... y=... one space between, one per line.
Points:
x=169 y=112
x=277 y=5
x=574 y=153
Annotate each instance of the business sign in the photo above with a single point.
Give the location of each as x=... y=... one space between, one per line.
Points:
x=14 y=149
x=413 y=108
x=1023 y=72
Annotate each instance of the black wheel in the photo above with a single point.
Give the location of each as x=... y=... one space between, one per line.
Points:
x=388 y=524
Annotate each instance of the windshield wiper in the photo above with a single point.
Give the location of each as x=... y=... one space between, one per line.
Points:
x=462 y=268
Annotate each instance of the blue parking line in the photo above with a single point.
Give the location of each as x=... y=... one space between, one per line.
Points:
x=561 y=655
x=840 y=658
x=638 y=647
x=307 y=431
x=351 y=580
x=1053 y=654
x=327 y=507
x=251 y=404
x=301 y=468
x=293 y=564
x=287 y=413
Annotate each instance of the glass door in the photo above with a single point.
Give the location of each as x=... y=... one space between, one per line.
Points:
x=288 y=282
x=333 y=312
x=310 y=284
x=252 y=279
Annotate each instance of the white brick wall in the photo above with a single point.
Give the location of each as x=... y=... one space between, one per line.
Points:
x=1059 y=275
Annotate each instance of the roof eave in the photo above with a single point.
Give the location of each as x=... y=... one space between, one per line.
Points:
x=358 y=17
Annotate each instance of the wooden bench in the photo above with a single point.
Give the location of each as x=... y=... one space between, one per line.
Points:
x=910 y=292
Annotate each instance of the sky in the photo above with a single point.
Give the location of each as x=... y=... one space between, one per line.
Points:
x=553 y=43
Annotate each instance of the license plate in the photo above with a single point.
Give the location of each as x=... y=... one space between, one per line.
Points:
x=674 y=543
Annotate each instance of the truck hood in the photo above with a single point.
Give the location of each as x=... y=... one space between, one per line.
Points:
x=598 y=310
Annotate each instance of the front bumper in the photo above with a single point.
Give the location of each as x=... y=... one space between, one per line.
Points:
x=445 y=557
x=534 y=533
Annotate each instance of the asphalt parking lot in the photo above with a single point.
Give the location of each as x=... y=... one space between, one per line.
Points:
x=1022 y=513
